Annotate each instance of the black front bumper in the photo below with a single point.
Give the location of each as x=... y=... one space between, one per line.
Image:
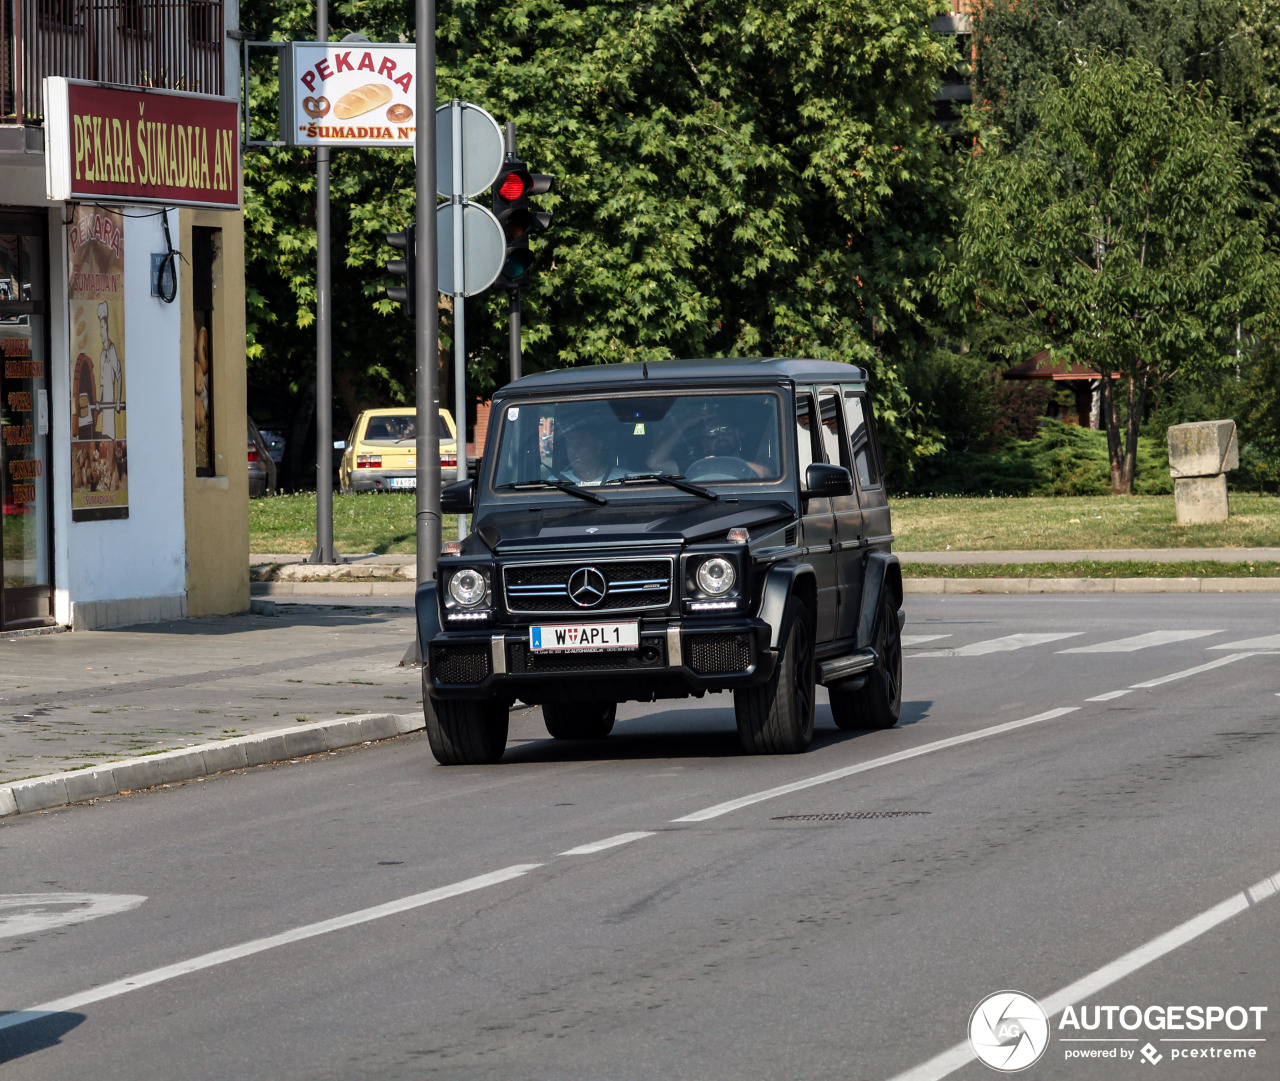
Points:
x=674 y=660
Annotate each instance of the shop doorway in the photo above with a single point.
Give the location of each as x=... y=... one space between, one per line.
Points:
x=26 y=511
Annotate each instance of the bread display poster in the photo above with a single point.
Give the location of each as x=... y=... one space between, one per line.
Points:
x=95 y=291
x=346 y=94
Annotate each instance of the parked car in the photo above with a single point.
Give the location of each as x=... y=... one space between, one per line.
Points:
x=656 y=531
x=262 y=470
x=380 y=454
x=275 y=443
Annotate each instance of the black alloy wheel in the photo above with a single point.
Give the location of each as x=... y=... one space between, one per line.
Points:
x=777 y=717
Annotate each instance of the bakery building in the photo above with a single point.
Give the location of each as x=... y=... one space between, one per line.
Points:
x=122 y=362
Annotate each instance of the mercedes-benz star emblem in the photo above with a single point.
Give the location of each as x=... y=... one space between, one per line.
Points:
x=587 y=587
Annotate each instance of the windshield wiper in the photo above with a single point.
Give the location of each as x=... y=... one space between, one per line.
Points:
x=675 y=482
x=559 y=485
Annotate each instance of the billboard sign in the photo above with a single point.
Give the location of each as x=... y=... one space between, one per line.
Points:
x=335 y=93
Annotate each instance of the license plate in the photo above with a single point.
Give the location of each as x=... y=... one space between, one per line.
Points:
x=584 y=637
x=404 y=482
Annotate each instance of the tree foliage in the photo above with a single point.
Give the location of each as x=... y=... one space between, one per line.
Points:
x=1116 y=235
x=736 y=177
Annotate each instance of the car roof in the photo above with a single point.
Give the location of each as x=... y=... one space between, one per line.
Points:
x=394 y=410
x=702 y=370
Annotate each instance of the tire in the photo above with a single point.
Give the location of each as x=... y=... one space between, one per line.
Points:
x=579 y=720
x=878 y=703
x=465 y=733
x=777 y=718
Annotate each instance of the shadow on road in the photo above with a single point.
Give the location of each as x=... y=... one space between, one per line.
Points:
x=35 y=1035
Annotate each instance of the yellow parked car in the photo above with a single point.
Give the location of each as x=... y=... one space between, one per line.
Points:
x=381 y=453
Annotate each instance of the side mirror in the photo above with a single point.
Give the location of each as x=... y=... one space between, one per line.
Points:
x=459 y=498
x=824 y=481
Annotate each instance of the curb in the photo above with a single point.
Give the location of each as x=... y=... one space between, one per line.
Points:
x=336 y=588
x=187 y=763
x=1090 y=585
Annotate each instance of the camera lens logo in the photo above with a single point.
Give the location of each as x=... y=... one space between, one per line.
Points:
x=1008 y=1031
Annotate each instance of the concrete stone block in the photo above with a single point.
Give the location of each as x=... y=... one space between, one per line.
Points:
x=224 y=756
x=1157 y=585
x=410 y=722
x=40 y=794
x=345 y=733
x=1240 y=585
x=378 y=726
x=140 y=773
x=181 y=765
x=923 y=585
x=1200 y=499
x=273 y=748
x=304 y=741
x=90 y=784
x=1203 y=449
x=8 y=805
x=1073 y=585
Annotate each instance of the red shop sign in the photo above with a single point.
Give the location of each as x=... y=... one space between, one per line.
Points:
x=128 y=144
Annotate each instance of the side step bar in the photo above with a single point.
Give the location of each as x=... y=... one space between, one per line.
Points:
x=844 y=667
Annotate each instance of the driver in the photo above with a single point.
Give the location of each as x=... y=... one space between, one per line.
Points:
x=585 y=451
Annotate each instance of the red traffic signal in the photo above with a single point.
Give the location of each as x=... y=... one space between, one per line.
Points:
x=512 y=189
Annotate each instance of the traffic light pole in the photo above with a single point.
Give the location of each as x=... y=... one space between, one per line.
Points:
x=459 y=307
x=513 y=295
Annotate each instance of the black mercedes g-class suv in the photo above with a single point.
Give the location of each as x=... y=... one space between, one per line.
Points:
x=647 y=531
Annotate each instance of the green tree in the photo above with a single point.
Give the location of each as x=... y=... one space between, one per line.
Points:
x=733 y=177
x=1116 y=235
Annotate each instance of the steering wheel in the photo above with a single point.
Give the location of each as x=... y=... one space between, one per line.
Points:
x=717 y=468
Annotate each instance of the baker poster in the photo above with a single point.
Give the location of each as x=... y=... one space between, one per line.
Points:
x=95 y=295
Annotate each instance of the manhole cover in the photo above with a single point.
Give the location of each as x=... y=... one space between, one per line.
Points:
x=842 y=816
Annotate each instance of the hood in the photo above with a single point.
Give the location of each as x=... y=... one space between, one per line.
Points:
x=618 y=525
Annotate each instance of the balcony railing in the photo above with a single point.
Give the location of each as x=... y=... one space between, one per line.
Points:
x=172 y=44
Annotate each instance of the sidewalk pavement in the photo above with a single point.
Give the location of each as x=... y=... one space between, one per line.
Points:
x=164 y=702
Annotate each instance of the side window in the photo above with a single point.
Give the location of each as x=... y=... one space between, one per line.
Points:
x=806 y=436
x=864 y=460
x=833 y=441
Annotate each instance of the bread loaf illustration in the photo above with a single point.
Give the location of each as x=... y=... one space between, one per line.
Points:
x=361 y=100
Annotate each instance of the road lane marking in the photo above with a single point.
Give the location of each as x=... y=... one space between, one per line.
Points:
x=1108 y=696
x=875 y=763
x=962 y=1054
x=920 y=639
x=1139 y=641
x=44 y=911
x=1007 y=644
x=258 y=945
x=1191 y=671
x=1271 y=641
x=608 y=842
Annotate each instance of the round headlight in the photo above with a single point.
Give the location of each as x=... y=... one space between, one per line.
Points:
x=467 y=587
x=716 y=576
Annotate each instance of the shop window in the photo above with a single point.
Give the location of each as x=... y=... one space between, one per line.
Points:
x=205 y=250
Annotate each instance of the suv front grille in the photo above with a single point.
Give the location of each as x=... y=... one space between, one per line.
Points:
x=717 y=654
x=631 y=585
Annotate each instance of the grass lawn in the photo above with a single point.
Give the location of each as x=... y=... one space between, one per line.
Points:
x=385 y=524
x=962 y=523
x=1202 y=568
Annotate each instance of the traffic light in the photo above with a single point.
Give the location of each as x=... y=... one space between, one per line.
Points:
x=408 y=267
x=511 y=192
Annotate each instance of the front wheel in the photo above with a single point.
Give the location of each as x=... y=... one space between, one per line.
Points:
x=465 y=733
x=777 y=718
x=878 y=703
x=579 y=720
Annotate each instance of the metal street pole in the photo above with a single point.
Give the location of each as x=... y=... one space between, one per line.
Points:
x=324 y=357
x=459 y=304
x=513 y=295
x=427 y=341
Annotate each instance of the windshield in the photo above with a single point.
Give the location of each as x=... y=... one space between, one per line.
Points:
x=709 y=437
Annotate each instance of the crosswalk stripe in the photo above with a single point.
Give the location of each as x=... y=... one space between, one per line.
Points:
x=1139 y=641
x=1006 y=644
x=920 y=639
x=1270 y=641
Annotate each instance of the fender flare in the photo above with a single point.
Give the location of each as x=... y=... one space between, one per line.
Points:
x=882 y=572
x=427 y=610
x=779 y=585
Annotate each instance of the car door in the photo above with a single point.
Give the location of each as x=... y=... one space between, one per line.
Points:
x=817 y=523
x=850 y=546
x=868 y=470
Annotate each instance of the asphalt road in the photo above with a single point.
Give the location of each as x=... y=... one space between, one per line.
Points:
x=368 y=914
